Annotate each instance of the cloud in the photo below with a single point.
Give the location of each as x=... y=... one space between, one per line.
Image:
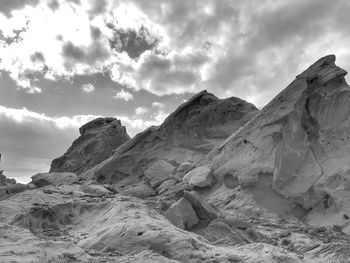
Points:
x=27 y=87
x=37 y=57
x=141 y=110
x=133 y=42
x=7 y=6
x=53 y=5
x=136 y=124
x=123 y=95
x=177 y=47
x=88 y=55
x=162 y=75
x=98 y=7
x=157 y=104
x=27 y=116
x=88 y=88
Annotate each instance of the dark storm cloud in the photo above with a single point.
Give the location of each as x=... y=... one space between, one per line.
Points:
x=176 y=74
x=75 y=1
x=253 y=43
x=133 y=42
x=7 y=6
x=98 y=7
x=188 y=21
x=53 y=5
x=37 y=56
x=95 y=33
x=17 y=35
x=291 y=21
x=90 y=55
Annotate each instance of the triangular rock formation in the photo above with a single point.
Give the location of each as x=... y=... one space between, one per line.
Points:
x=98 y=140
x=298 y=146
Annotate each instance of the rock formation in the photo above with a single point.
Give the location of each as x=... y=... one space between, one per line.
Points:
x=218 y=181
x=185 y=136
x=98 y=140
x=292 y=157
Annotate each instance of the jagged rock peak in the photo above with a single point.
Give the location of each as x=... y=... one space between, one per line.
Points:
x=324 y=69
x=98 y=124
x=204 y=113
x=98 y=140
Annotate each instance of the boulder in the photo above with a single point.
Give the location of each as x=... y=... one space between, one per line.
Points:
x=182 y=214
x=43 y=179
x=200 y=177
x=184 y=168
x=204 y=211
x=166 y=185
x=98 y=140
x=159 y=172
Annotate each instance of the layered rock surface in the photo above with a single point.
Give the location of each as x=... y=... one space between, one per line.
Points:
x=98 y=140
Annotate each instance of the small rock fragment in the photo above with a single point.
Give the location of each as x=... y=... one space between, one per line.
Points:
x=200 y=177
x=182 y=214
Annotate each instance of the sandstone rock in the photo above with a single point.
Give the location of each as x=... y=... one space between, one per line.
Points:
x=175 y=191
x=16 y=188
x=166 y=185
x=95 y=190
x=203 y=210
x=11 y=189
x=219 y=233
x=43 y=179
x=237 y=223
x=159 y=172
x=139 y=190
x=182 y=215
x=98 y=140
x=200 y=177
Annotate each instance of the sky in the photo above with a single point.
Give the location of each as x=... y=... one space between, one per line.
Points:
x=66 y=62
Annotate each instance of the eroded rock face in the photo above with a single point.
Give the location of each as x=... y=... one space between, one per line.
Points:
x=122 y=229
x=98 y=140
x=300 y=141
x=186 y=135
